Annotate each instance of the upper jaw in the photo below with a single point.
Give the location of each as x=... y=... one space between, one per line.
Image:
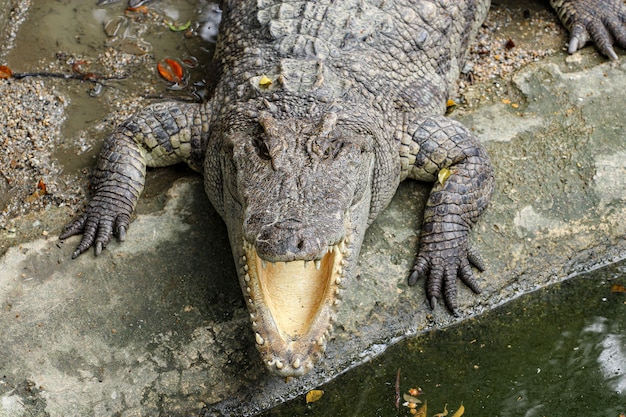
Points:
x=292 y=305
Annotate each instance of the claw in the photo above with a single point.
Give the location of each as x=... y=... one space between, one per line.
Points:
x=98 y=248
x=573 y=45
x=610 y=52
x=121 y=233
x=474 y=257
x=433 y=302
x=74 y=228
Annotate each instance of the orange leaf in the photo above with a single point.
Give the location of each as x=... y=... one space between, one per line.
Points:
x=138 y=9
x=5 y=72
x=41 y=186
x=170 y=70
x=314 y=395
x=618 y=288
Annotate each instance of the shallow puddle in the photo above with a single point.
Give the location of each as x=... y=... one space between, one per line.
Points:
x=58 y=36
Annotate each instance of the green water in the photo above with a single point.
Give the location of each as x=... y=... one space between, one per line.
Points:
x=560 y=351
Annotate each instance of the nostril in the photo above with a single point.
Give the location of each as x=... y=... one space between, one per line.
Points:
x=300 y=244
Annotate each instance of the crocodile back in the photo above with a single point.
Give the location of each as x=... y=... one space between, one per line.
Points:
x=403 y=53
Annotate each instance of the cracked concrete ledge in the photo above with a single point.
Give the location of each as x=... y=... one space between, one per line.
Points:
x=157 y=325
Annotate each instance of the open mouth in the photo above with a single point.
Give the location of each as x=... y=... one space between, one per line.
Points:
x=292 y=306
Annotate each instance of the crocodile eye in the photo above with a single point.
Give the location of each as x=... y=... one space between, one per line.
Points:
x=261 y=148
x=332 y=150
x=328 y=147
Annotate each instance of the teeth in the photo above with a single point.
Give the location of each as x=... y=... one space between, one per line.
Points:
x=318 y=264
x=306 y=264
x=259 y=339
x=338 y=281
x=247 y=278
x=279 y=364
x=263 y=264
x=248 y=289
x=296 y=363
x=340 y=271
x=243 y=258
x=341 y=246
x=245 y=267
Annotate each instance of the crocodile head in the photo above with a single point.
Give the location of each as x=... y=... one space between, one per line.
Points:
x=296 y=202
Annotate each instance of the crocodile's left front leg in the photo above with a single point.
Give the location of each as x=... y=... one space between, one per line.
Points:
x=442 y=150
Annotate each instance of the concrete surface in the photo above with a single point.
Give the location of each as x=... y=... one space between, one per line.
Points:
x=157 y=326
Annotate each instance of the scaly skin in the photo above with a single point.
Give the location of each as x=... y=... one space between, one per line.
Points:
x=600 y=21
x=300 y=165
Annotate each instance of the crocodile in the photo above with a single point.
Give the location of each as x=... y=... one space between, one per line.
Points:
x=320 y=110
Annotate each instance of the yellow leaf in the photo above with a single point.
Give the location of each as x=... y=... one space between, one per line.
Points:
x=265 y=81
x=459 y=412
x=450 y=103
x=314 y=395
x=443 y=175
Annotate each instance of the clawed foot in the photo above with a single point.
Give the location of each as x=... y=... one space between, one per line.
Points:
x=100 y=221
x=604 y=23
x=441 y=266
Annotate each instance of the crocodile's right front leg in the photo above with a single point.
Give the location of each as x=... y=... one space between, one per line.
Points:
x=159 y=135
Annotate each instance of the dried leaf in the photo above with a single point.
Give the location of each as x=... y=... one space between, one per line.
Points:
x=112 y=27
x=509 y=44
x=459 y=412
x=138 y=9
x=170 y=70
x=421 y=412
x=618 y=288
x=411 y=399
x=5 y=72
x=179 y=28
x=41 y=186
x=443 y=175
x=314 y=395
x=265 y=81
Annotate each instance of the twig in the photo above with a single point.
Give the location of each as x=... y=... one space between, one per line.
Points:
x=398 y=389
x=91 y=77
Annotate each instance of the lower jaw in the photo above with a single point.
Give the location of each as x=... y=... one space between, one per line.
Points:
x=292 y=307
